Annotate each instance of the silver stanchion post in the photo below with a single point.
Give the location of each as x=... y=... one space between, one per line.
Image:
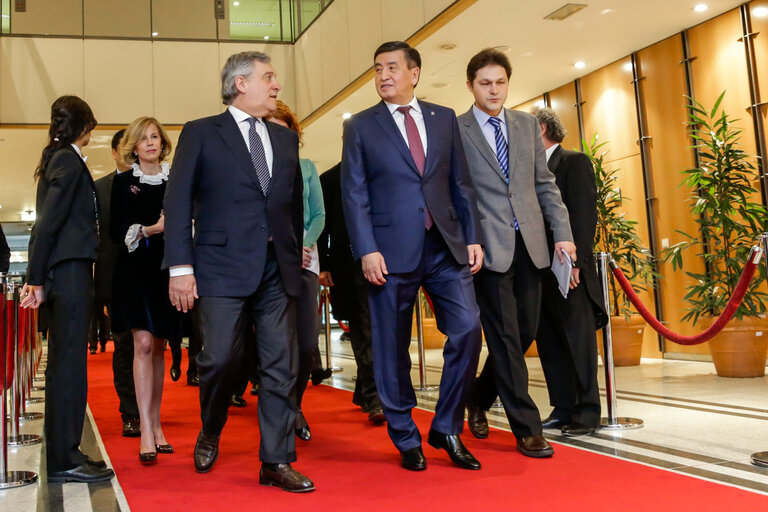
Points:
x=25 y=366
x=612 y=422
x=761 y=458
x=326 y=296
x=17 y=399
x=423 y=386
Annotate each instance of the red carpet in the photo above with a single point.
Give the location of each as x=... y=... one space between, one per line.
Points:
x=356 y=468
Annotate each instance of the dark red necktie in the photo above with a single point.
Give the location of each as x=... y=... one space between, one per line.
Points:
x=417 y=151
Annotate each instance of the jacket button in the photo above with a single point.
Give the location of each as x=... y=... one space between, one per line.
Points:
x=421 y=210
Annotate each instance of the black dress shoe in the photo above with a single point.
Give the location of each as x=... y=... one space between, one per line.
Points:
x=577 y=429
x=95 y=463
x=534 y=446
x=84 y=473
x=148 y=458
x=103 y=347
x=376 y=415
x=456 y=450
x=131 y=427
x=175 y=373
x=552 y=422
x=301 y=427
x=413 y=459
x=93 y=350
x=477 y=422
x=255 y=390
x=206 y=452
x=238 y=401
x=285 y=477
x=164 y=448
x=193 y=380
x=318 y=375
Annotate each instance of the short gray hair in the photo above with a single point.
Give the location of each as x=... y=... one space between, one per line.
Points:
x=554 y=129
x=239 y=64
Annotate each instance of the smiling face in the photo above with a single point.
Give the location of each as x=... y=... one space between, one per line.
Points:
x=490 y=88
x=395 y=82
x=149 y=148
x=258 y=91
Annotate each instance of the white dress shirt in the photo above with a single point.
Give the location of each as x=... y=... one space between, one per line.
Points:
x=79 y=153
x=551 y=150
x=418 y=118
x=241 y=118
x=489 y=132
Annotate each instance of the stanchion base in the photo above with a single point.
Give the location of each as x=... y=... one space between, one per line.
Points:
x=760 y=459
x=35 y=400
x=336 y=369
x=427 y=388
x=17 y=479
x=38 y=379
x=622 y=423
x=497 y=404
x=24 y=440
x=38 y=388
x=31 y=416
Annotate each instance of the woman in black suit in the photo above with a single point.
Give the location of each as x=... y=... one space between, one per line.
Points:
x=62 y=250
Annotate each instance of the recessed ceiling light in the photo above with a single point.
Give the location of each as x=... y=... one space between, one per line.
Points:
x=346 y=115
x=28 y=215
x=760 y=12
x=627 y=66
x=606 y=11
x=448 y=46
x=154 y=34
x=502 y=49
x=701 y=7
x=580 y=64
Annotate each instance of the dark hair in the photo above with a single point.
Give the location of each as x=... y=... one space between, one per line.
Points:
x=71 y=117
x=116 y=138
x=487 y=57
x=412 y=56
x=553 y=127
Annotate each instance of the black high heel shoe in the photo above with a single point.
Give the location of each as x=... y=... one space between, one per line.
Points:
x=148 y=458
x=164 y=448
x=301 y=427
x=175 y=373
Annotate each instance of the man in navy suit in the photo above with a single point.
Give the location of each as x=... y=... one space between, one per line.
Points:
x=412 y=219
x=239 y=178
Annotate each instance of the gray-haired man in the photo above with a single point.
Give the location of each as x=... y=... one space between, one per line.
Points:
x=239 y=178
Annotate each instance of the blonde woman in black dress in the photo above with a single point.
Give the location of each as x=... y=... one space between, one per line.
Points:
x=140 y=286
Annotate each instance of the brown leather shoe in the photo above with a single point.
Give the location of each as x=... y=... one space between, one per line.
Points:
x=577 y=429
x=131 y=427
x=376 y=415
x=534 y=446
x=477 y=422
x=206 y=452
x=285 y=477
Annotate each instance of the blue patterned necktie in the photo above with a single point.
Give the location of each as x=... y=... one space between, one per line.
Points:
x=502 y=151
x=258 y=157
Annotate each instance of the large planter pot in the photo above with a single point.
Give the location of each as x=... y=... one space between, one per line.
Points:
x=740 y=349
x=627 y=338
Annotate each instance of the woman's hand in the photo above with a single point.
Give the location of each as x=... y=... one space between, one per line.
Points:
x=32 y=296
x=158 y=227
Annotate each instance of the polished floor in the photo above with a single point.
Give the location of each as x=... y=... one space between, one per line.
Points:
x=694 y=423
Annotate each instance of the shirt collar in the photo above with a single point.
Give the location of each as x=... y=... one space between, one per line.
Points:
x=482 y=117
x=241 y=116
x=551 y=150
x=414 y=104
x=79 y=153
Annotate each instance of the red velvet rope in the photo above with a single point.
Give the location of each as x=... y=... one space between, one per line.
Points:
x=713 y=330
x=344 y=327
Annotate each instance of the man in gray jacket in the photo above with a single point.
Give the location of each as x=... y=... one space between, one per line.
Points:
x=515 y=193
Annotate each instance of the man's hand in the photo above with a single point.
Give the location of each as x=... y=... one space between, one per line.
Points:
x=475 y=257
x=183 y=291
x=325 y=279
x=568 y=247
x=574 y=278
x=374 y=268
x=306 y=257
x=32 y=296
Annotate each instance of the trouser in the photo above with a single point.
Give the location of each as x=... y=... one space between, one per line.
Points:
x=100 y=325
x=365 y=394
x=122 y=371
x=307 y=329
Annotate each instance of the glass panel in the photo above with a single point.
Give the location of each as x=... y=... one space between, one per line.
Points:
x=255 y=19
x=5 y=12
x=307 y=11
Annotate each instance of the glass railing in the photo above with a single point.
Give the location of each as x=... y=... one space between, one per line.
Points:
x=201 y=20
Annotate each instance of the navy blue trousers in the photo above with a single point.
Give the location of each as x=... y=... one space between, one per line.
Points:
x=449 y=285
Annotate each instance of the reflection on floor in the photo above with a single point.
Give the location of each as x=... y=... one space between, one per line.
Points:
x=695 y=423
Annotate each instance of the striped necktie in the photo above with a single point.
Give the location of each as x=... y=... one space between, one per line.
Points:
x=502 y=152
x=258 y=157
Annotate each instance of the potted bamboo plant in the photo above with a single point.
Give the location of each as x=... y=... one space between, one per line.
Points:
x=616 y=234
x=729 y=221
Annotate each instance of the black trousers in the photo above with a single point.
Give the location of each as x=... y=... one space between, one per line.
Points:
x=122 y=371
x=69 y=301
x=195 y=343
x=307 y=330
x=509 y=311
x=273 y=316
x=567 y=347
x=100 y=325
x=365 y=394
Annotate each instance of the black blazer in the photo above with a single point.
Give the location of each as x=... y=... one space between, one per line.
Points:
x=576 y=180
x=5 y=253
x=67 y=213
x=108 y=249
x=213 y=181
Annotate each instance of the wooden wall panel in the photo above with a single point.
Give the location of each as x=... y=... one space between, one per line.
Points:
x=563 y=101
x=116 y=18
x=526 y=107
x=184 y=19
x=760 y=26
x=54 y=17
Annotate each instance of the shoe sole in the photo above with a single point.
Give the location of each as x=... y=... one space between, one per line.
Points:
x=414 y=468
x=542 y=454
x=64 y=480
x=205 y=470
x=477 y=434
x=576 y=434
x=269 y=483
x=132 y=434
x=459 y=464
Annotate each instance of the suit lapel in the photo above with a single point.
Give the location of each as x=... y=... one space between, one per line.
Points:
x=513 y=135
x=387 y=124
x=475 y=134
x=276 y=140
x=554 y=161
x=233 y=138
x=430 y=125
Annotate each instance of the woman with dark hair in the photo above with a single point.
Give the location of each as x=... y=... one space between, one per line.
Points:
x=62 y=250
x=140 y=285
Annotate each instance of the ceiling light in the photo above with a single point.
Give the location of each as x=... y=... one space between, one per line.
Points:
x=700 y=7
x=760 y=12
x=564 y=12
x=28 y=215
x=448 y=46
x=606 y=11
x=580 y=64
x=627 y=66
x=346 y=115
x=154 y=34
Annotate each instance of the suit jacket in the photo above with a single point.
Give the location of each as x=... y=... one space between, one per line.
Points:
x=67 y=216
x=576 y=180
x=384 y=196
x=213 y=181
x=531 y=192
x=5 y=253
x=108 y=249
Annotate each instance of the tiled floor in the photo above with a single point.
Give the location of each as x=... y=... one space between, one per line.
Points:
x=694 y=423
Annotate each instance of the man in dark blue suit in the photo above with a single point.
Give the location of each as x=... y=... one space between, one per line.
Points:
x=239 y=178
x=412 y=219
